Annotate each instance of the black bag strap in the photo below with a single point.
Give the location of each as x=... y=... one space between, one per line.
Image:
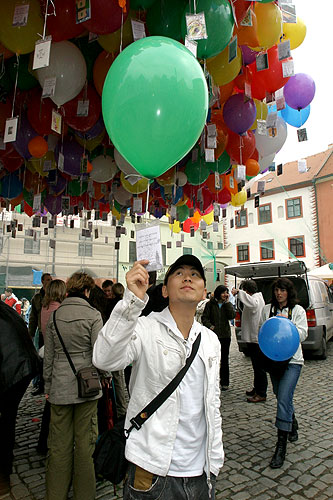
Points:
x=63 y=345
x=273 y=312
x=147 y=412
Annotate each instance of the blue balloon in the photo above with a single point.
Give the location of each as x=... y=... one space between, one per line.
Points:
x=11 y=186
x=278 y=338
x=294 y=117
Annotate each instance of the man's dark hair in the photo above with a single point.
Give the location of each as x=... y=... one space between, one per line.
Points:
x=9 y=290
x=152 y=277
x=285 y=284
x=44 y=276
x=219 y=290
x=107 y=283
x=249 y=286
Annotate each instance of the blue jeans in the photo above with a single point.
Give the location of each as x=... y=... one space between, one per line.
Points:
x=284 y=391
x=142 y=485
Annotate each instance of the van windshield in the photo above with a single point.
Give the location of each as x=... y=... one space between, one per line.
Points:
x=265 y=287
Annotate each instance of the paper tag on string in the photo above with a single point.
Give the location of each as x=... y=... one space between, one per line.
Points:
x=288 y=13
x=65 y=203
x=211 y=142
x=231 y=182
x=37 y=202
x=288 y=69
x=173 y=211
x=82 y=108
x=217 y=209
x=196 y=26
x=42 y=53
x=56 y=121
x=302 y=135
x=211 y=130
x=247 y=20
x=82 y=11
x=280 y=103
x=61 y=161
x=272 y=131
x=137 y=205
x=49 y=87
x=217 y=180
x=261 y=186
x=47 y=165
x=191 y=45
x=10 y=130
x=302 y=167
x=240 y=173
x=284 y=50
x=195 y=155
x=232 y=49
x=215 y=227
x=92 y=37
x=271 y=119
x=270 y=97
x=247 y=90
x=138 y=30
x=148 y=246
x=209 y=155
x=21 y=13
x=262 y=62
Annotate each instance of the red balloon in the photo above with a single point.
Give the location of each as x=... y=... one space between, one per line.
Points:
x=188 y=223
x=28 y=209
x=63 y=26
x=255 y=155
x=39 y=113
x=241 y=7
x=105 y=16
x=12 y=164
x=240 y=148
x=207 y=199
x=268 y=80
x=83 y=123
x=224 y=196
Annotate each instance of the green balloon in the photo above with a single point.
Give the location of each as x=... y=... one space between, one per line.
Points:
x=28 y=196
x=197 y=172
x=75 y=188
x=25 y=80
x=164 y=18
x=154 y=104
x=183 y=213
x=219 y=25
x=222 y=165
x=141 y=4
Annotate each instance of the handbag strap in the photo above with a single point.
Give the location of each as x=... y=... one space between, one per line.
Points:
x=63 y=345
x=147 y=412
x=273 y=311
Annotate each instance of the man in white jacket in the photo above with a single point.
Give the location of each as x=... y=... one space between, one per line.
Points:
x=253 y=303
x=178 y=452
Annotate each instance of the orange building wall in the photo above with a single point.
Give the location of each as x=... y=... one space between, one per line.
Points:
x=325 y=219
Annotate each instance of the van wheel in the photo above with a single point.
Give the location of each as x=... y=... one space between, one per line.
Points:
x=323 y=354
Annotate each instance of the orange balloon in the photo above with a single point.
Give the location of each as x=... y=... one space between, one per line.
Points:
x=6 y=52
x=252 y=167
x=38 y=147
x=101 y=68
x=247 y=35
x=226 y=91
x=230 y=183
x=222 y=141
x=89 y=167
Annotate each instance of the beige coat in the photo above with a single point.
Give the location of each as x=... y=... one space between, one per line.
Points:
x=78 y=323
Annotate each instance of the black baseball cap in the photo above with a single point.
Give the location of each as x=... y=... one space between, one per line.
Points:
x=185 y=260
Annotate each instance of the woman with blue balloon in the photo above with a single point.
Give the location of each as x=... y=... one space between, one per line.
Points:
x=283 y=327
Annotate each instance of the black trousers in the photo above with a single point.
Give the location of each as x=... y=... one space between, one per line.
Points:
x=224 y=369
x=260 y=376
x=9 y=403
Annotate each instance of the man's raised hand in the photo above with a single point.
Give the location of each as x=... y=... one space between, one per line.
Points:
x=137 y=279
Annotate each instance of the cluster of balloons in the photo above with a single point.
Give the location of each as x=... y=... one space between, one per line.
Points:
x=147 y=104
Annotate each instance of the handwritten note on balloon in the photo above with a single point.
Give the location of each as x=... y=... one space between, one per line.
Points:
x=148 y=246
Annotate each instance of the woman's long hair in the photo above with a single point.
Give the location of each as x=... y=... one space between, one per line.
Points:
x=99 y=301
x=285 y=284
x=54 y=292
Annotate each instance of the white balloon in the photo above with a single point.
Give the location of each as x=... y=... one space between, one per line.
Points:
x=122 y=196
x=123 y=164
x=104 y=169
x=266 y=161
x=181 y=179
x=267 y=145
x=69 y=67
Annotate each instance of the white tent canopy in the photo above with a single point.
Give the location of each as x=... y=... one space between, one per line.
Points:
x=324 y=272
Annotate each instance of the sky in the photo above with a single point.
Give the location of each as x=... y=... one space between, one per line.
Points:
x=314 y=57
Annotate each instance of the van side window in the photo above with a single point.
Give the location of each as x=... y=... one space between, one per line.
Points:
x=330 y=293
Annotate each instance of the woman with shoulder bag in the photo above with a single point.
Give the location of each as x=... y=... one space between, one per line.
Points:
x=284 y=303
x=73 y=425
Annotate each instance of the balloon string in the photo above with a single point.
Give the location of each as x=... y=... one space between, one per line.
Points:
x=195 y=6
x=240 y=150
x=121 y=31
x=147 y=201
x=16 y=78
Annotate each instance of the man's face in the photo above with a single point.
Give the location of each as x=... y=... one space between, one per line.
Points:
x=47 y=279
x=108 y=291
x=225 y=296
x=7 y=294
x=186 y=285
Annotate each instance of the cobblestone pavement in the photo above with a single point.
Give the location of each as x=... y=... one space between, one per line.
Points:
x=249 y=441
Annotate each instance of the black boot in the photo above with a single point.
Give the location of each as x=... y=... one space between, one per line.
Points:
x=280 y=450
x=293 y=434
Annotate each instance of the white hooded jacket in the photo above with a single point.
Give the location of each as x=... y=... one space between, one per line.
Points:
x=157 y=354
x=253 y=305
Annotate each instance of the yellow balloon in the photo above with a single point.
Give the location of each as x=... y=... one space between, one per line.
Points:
x=116 y=213
x=295 y=32
x=111 y=42
x=175 y=227
x=38 y=163
x=269 y=19
x=262 y=112
x=90 y=144
x=20 y=39
x=221 y=70
x=239 y=199
x=139 y=187
x=209 y=218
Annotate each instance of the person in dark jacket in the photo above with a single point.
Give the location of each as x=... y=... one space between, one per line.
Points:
x=19 y=363
x=216 y=316
x=156 y=301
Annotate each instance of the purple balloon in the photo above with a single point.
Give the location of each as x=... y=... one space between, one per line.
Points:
x=73 y=153
x=25 y=133
x=59 y=186
x=238 y=115
x=53 y=204
x=94 y=131
x=249 y=55
x=299 y=91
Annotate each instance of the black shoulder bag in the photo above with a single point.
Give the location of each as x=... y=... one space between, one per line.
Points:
x=275 y=368
x=88 y=381
x=109 y=454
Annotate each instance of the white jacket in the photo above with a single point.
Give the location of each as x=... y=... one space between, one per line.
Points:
x=253 y=305
x=157 y=354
